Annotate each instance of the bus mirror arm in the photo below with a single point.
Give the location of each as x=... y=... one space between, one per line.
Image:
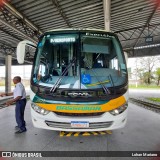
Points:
x=21 y=50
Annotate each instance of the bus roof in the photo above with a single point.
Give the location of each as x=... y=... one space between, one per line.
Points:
x=77 y=29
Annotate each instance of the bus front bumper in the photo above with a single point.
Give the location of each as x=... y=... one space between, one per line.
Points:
x=103 y=122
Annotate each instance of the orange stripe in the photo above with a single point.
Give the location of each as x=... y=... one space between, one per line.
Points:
x=112 y=104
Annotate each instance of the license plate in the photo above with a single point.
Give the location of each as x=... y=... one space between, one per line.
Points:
x=79 y=124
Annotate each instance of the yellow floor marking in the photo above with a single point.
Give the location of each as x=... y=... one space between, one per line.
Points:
x=86 y=134
x=94 y=133
x=62 y=134
x=102 y=132
x=109 y=132
x=77 y=134
x=69 y=134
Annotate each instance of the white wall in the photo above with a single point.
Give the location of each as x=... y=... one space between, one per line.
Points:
x=23 y=71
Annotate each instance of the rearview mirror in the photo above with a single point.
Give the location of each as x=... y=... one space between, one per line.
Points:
x=21 y=50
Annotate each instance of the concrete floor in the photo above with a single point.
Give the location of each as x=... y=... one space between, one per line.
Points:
x=142 y=133
x=144 y=92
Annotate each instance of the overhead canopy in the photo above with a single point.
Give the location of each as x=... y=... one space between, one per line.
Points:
x=137 y=22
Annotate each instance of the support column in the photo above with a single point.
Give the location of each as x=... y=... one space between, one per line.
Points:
x=107 y=16
x=8 y=63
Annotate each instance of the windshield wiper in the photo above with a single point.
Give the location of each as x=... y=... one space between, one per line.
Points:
x=62 y=75
x=111 y=79
x=94 y=72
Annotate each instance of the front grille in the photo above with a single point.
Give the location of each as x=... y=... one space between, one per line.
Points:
x=64 y=125
x=79 y=114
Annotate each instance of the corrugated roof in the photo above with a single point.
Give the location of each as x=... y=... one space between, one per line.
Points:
x=132 y=20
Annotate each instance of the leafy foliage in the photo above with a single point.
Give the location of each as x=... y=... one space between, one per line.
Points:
x=145 y=69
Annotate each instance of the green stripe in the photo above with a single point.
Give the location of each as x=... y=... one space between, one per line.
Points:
x=37 y=99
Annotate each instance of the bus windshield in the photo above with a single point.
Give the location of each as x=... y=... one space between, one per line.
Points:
x=81 y=60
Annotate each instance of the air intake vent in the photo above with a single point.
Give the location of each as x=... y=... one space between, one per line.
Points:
x=64 y=125
x=79 y=114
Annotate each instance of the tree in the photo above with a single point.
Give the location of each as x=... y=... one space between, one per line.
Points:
x=148 y=64
x=158 y=75
x=145 y=67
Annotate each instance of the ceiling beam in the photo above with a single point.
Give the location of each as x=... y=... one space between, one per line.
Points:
x=60 y=10
x=129 y=29
x=29 y=23
x=6 y=32
x=18 y=31
x=6 y=48
x=147 y=23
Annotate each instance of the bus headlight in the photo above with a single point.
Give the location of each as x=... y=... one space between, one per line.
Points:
x=119 y=110
x=39 y=110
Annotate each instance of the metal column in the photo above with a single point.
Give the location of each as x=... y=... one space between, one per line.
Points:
x=107 y=16
x=8 y=62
